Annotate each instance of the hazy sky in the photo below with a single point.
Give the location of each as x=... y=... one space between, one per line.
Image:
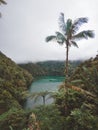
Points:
x=26 y=23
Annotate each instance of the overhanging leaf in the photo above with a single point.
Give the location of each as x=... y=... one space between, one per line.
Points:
x=62 y=24
x=49 y=38
x=84 y=35
x=68 y=26
x=77 y=23
x=60 y=38
x=74 y=44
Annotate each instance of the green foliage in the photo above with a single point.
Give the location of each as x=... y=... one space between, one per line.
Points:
x=68 y=31
x=86 y=76
x=49 y=68
x=77 y=109
x=81 y=120
x=81 y=110
x=15 y=118
x=74 y=99
x=73 y=110
x=68 y=35
x=49 y=117
x=68 y=101
x=33 y=68
x=14 y=82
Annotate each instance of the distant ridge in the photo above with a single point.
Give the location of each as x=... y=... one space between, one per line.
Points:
x=48 y=68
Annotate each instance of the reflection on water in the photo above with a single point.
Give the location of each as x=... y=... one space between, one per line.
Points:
x=46 y=83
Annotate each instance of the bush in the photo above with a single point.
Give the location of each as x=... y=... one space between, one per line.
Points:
x=49 y=117
x=81 y=120
x=16 y=118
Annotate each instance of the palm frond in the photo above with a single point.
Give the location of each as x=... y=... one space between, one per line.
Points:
x=2 y=2
x=77 y=23
x=60 y=38
x=39 y=95
x=76 y=81
x=68 y=26
x=84 y=35
x=90 y=33
x=62 y=24
x=74 y=44
x=50 y=38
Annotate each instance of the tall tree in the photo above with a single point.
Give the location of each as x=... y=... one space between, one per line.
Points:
x=68 y=35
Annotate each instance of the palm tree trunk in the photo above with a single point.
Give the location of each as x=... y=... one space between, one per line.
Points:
x=66 y=64
x=44 y=100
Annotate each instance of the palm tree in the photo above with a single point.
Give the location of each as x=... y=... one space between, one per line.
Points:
x=69 y=35
x=43 y=94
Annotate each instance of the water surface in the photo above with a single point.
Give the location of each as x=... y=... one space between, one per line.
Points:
x=46 y=83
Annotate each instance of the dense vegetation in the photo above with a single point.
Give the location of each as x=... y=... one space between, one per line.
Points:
x=81 y=104
x=33 y=68
x=49 y=68
x=14 y=82
x=74 y=109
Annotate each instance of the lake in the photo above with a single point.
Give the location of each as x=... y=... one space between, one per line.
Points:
x=46 y=83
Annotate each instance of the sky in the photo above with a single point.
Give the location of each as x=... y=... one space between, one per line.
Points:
x=25 y=24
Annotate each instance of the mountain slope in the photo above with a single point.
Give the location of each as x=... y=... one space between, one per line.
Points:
x=49 y=68
x=86 y=75
x=14 y=81
x=33 y=68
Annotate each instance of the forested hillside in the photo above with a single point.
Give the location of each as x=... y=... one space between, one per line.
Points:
x=79 y=103
x=86 y=75
x=14 y=82
x=33 y=68
x=49 y=68
x=75 y=104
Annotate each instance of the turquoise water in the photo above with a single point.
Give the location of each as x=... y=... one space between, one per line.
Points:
x=46 y=83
